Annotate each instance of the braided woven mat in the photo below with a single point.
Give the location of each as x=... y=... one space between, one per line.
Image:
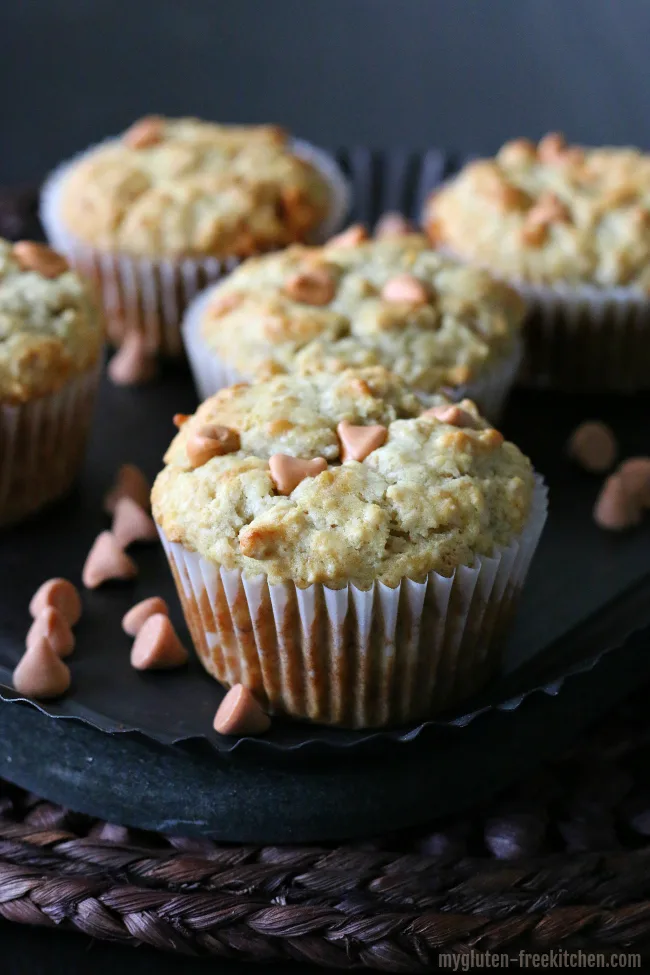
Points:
x=560 y=861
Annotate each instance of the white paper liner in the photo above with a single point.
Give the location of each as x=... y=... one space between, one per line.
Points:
x=582 y=338
x=42 y=445
x=211 y=373
x=586 y=338
x=150 y=295
x=351 y=657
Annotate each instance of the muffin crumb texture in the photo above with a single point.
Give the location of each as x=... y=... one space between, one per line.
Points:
x=551 y=213
x=183 y=187
x=430 y=496
x=50 y=329
x=393 y=302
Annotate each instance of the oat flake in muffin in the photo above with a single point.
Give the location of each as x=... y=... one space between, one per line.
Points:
x=392 y=302
x=551 y=214
x=359 y=593
x=184 y=187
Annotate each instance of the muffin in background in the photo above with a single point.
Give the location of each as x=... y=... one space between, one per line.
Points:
x=568 y=226
x=393 y=302
x=51 y=338
x=350 y=557
x=173 y=204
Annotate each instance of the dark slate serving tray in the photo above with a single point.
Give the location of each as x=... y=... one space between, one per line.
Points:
x=139 y=747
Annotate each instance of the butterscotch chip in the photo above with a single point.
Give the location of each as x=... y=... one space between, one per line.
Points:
x=130 y=483
x=60 y=594
x=223 y=303
x=132 y=524
x=240 y=714
x=133 y=364
x=351 y=237
x=40 y=258
x=133 y=621
x=107 y=561
x=146 y=132
x=41 y=673
x=593 y=446
x=314 y=286
x=211 y=441
x=405 y=288
x=392 y=225
x=615 y=508
x=288 y=472
x=157 y=645
x=454 y=415
x=357 y=442
x=635 y=474
x=551 y=146
x=180 y=419
x=51 y=625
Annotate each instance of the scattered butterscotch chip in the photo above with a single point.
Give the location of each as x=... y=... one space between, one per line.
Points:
x=354 y=235
x=221 y=304
x=635 y=474
x=357 y=442
x=615 y=508
x=551 y=146
x=130 y=483
x=39 y=258
x=60 y=594
x=180 y=419
x=312 y=286
x=240 y=714
x=287 y=472
x=107 y=561
x=41 y=673
x=405 y=288
x=593 y=446
x=211 y=441
x=147 y=131
x=157 y=645
x=133 y=364
x=53 y=626
x=453 y=415
x=132 y=524
x=393 y=225
x=133 y=621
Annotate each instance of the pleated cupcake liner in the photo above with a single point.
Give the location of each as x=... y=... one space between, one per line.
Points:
x=149 y=295
x=489 y=391
x=586 y=339
x=42 y=446
x=356 y=658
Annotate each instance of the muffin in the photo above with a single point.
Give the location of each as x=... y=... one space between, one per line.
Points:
x=355 y=303
x=350 y=556
x=570 y=228
x=155 y=215
x=50 y=343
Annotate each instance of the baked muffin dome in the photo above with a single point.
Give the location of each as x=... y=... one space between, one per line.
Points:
x=50 y=327
x=550 y=213
x=395 y=303
x=184 y=187
x=433 y=495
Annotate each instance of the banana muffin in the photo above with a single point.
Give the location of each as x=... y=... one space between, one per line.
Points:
x=569 y=226
x=157 y=213
x=50 y=342
x=393 y=302
x=349 y=555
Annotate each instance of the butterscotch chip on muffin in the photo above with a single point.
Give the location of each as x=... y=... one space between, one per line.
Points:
x=184 y=187
x=50 y=327
x=425 y=495
x=393 y=302
x=550 y=213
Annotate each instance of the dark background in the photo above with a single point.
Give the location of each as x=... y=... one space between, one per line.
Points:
x=464 y=74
